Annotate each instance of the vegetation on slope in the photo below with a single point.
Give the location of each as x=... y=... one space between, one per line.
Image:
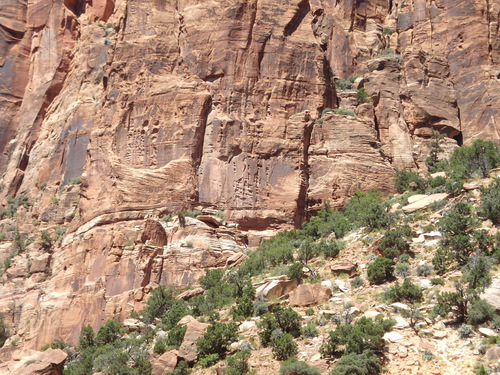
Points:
x=356 y=345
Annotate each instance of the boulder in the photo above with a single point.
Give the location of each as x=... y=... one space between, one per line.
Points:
x=165 y=364
x=188 y=294
x=345 y=267
x=492 y=293
x=401 y=323
x=133 y=325
x=247 y=325
x=487 y=332
x=423 y=202
x=274 y=287
x=186 y=320
x=194 y=331
x=393 y=336
x=49 y=362
x=398 y=306
x=310 y=294
x=439 y=334
x=236 y=259
x=425 y=284
x=342 y=285
x=493 y=354
x=40 y=263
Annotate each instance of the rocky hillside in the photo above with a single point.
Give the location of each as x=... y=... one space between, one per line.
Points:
x=122 y=119
x=409 y=284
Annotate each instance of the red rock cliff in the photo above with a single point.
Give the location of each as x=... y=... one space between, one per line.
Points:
x=161 y=106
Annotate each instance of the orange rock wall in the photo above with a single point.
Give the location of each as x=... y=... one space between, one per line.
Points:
x=162 y=106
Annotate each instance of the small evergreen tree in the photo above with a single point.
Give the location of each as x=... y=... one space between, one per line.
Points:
x=380 y=271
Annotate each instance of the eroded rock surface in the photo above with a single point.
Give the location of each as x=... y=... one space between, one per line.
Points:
x=114 y=111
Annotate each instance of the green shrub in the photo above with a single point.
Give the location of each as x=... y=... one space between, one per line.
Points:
x=364 y=334
x=357 y=282
x=387 y=31
x=208 y=360
x=476 y=273
x=490 y=201
x=83 y=363
x=294 y=367
x=309 y=330
x=167 y=217
x=182 y=368
x=288 y=320
x=284 y=319
x=238 y=363
x=424 y=270
x=162 y=304
x=402 y=269
x=13 y=204
x=475 y=160
x=465 y=331
x=395 y=241
x=243 y=308
x=193 y=213
x=404 y=258
x=441 y=260
x=330 y=249
x=432 y=161
x=126 y=356
x=58 y=344
x=367 y=209
x=437 y=281
x=326 y=222
x=406 y=180
x=481 y=371
x=295 y=271
x=407 y=292
x=217 y=339
x=283 y=345
x=456 y=302
x=325 y=111
x=260 y=308
x=175 y=336
x=345 y=84
x=221 y=289
x=160 y=347
x=457 y=227
x=307 y=251
x=279 y=249
x=380 y=271
x=480 y=312
x=365 y=363
x=46 y=240
x=427 y=355
x=109 y=332
x=4 y=333
x=87 y=338
x=345 y=112
x=362 y=96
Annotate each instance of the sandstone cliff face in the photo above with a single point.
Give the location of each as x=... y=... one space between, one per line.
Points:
x=161 y=106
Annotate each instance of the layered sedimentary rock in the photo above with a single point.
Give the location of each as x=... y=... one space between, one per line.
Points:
x=112 y=111
x=107 y=270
